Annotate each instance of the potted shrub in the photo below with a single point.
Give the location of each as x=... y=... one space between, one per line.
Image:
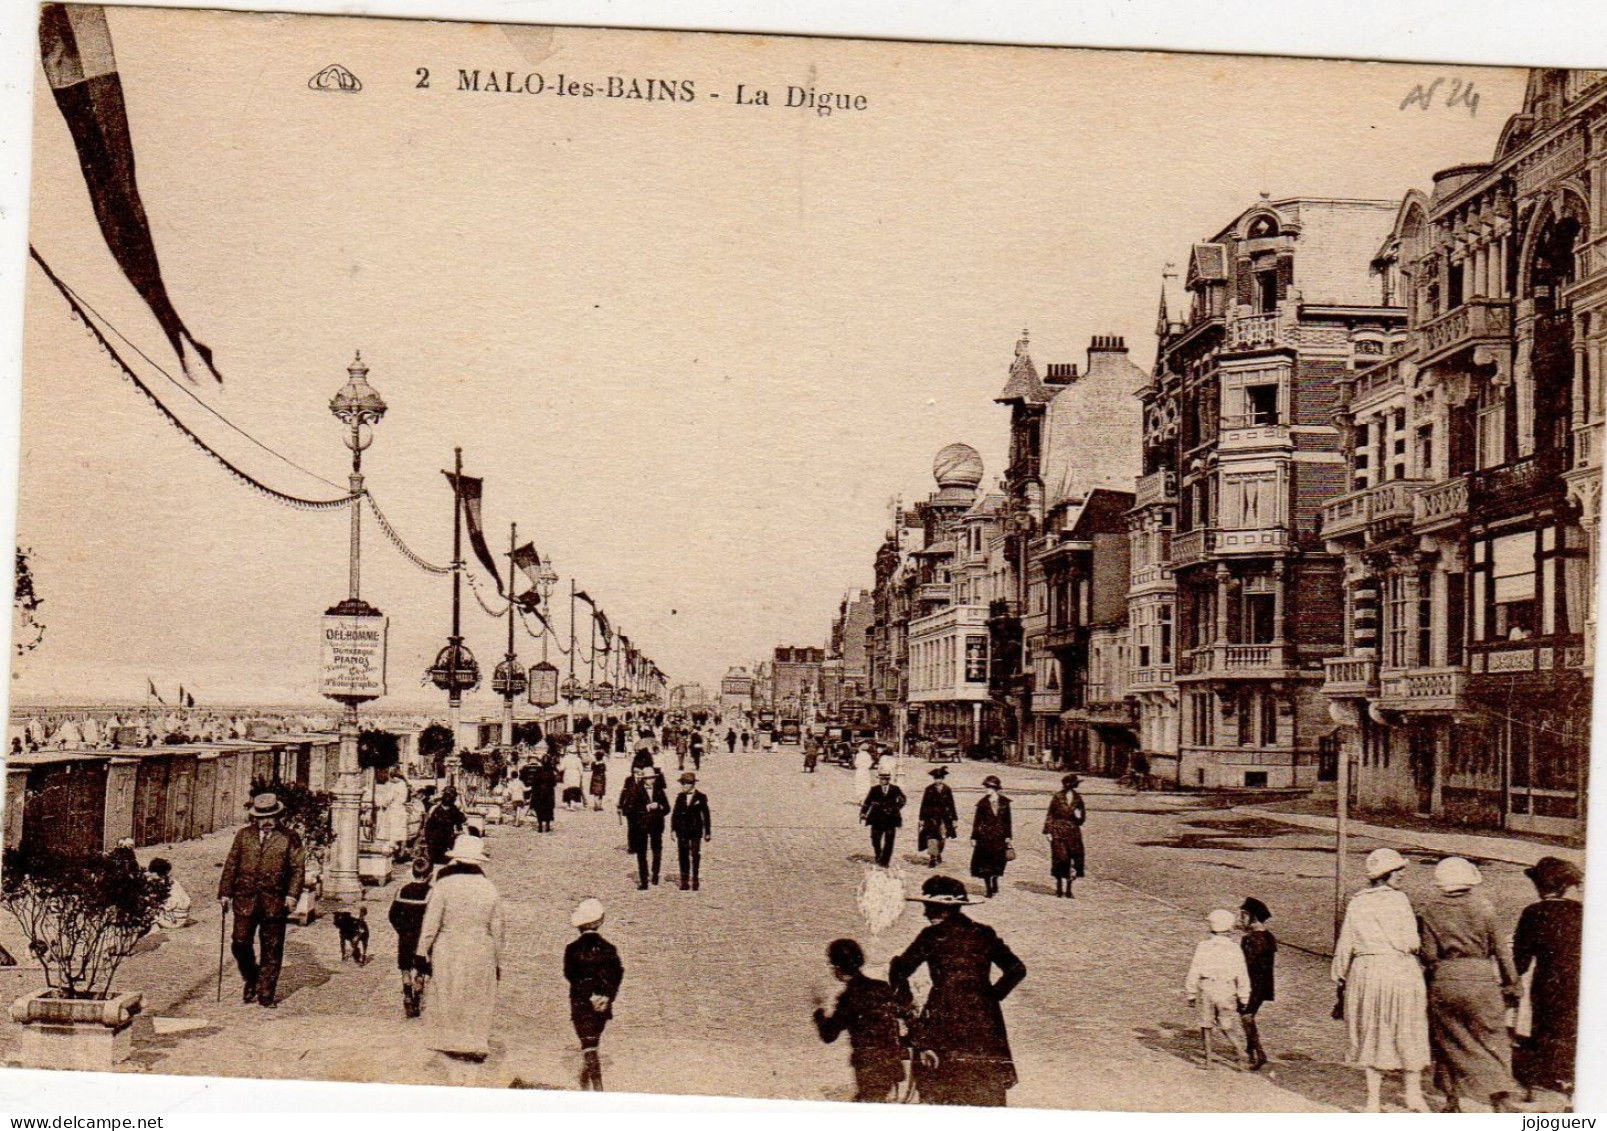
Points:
x=82 y=917
x=310 y=815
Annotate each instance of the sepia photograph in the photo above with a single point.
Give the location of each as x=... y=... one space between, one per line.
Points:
x=1072 y=570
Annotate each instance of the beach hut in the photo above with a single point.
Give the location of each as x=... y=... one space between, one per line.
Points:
x=63 y=806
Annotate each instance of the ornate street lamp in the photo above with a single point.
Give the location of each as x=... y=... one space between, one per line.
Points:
x=455 y=670
x=543 y=680
x=353 y=640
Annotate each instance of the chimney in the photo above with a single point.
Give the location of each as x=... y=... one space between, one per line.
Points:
x=1105 y=343
x=1060 y=373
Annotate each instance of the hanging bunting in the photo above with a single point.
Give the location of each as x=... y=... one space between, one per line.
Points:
x=470 y=491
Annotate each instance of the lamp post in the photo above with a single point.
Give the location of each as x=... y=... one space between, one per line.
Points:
x=543 y=678
x=455 y=670
x=508 y=680
x=359 y=407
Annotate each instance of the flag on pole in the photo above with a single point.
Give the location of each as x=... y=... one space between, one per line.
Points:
x=582 y=595
x=75 y=46
x=151 y=690
x=180 y=699
x=189 y=700
x=608 y=632
x=470 y=492
x=528 y=562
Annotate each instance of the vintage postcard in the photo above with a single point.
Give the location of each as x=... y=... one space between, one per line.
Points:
x=808 y=569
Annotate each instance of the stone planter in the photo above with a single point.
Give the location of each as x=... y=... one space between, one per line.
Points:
x=84 y=1036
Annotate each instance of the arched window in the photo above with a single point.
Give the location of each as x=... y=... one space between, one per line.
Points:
x=1262 y=227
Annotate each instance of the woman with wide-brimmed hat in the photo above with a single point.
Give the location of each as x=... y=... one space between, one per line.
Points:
x=1470 y=972
x=962 y=1050
x=1376 y=964
x=462 y=939
x=1549 y=938
x=991 y=836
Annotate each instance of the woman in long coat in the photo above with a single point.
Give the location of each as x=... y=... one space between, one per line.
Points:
x=1385 y=1001
x=961 y=1046
x=1063 y=827
x=462 y=939
x=991 y=836
x=572 y=769
x=599 y=782
x=1463 y=955
x=1549 y=939
x=544 y=793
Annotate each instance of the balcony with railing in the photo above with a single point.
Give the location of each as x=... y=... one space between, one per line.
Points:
x=1385 y=377
x=1479 y=321
x=1261 y=540
x=1255 y=332
x=1437 y=690
x=1362 y=510
x=1441 y=503
x=1154 y=489
x=1520 y=483
x=1148 y=576
x=1351 y=676
x=1192 y=546
x=1266 y=661
x=935 y=592
x=1253 y=433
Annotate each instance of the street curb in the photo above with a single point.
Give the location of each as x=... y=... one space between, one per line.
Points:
x=1470 y=845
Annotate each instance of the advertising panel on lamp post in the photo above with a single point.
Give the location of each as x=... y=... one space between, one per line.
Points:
x=352 y=662
x=543 y=685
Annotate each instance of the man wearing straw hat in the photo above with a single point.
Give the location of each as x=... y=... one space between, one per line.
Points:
x=962 y=1051
x=262 y=880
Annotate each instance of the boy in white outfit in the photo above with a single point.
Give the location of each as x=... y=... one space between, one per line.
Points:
x=1218 y=984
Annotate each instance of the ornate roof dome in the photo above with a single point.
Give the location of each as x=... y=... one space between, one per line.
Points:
x=957 y=465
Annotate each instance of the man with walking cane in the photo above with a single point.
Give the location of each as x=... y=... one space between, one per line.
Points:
x=261 y=882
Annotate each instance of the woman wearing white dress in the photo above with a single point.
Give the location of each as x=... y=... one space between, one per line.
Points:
x=1376 y=965
x=390 y=810
x=862 y=767
x=462 y=941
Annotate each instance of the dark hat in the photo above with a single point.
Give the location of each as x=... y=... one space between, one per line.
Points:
x=688 y=778
x=642 y=761
x=942 y=891
x=846 y=954
x=1071 y=781
x=992 y=782
x=1257 y=910
x=940 y=772
x=422 y=865
x=266 y=805
x=1553 y=874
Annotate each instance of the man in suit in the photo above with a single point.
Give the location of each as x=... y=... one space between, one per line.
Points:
x=691 y=825
x=644 y=805
x=883 y=811
x=262 y=880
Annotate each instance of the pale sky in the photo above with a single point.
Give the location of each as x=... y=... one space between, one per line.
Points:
x=693 y=348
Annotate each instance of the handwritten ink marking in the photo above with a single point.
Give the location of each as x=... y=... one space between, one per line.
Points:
x=335 y=77
x=1460 y=93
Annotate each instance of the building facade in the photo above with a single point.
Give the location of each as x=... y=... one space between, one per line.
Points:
x=736 y=691
x=1473 y=454
x=1239 y=422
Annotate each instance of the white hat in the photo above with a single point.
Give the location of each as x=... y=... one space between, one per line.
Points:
x=1221 y=921
x=589 y=913
x=469 y=849
x=1382 y=861
x=1456 y=874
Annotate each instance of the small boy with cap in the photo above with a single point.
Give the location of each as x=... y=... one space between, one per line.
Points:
x=1218 y=983
x=1260 y=948
x=594 y=972
x=407 y=917
x=691 y=825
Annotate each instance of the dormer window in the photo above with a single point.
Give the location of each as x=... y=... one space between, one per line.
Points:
x=1263 y=227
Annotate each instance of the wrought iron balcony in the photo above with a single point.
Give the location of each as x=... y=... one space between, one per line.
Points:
x=1523 y=482
x=1479 y=321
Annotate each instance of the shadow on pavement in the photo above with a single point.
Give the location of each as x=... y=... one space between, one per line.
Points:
x=1325 y=1082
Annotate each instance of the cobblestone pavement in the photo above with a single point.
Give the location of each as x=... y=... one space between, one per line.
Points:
x=720 y=983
